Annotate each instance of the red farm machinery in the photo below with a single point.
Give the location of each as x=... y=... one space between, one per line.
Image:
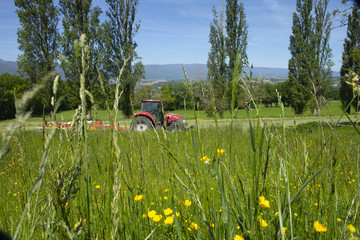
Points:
x=152 y=116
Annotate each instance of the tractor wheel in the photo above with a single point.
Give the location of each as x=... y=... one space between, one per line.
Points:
x=141 y=124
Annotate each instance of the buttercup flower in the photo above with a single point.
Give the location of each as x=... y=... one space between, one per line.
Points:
x=187 y=203
x=319 y=227
x=351 y=228
x=238 y=237
x=338 y=219
x=263 y=223
x=220 y=151
x=157 y=218
x=263 y=202
x=205 y=159
x=169 y=220
x=194 y=226
x=168 y=211
x=151 y=214
x=76 y=225
x=138 y=198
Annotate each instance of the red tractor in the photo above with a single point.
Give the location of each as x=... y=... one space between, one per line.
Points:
x=152 y=116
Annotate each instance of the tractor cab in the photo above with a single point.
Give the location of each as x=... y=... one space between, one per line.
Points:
x=154 y=107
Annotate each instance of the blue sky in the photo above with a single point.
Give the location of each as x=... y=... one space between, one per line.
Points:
x=174 y=31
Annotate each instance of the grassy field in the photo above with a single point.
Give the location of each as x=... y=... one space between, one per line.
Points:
x=270 y=114
x=230 y=179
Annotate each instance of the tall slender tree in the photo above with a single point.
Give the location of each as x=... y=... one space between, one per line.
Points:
x=118 y=47
x=228 y=39
x=300 y=61
x=217 y=65
x=236 y=40
x=37 y=40
x=321 y=76
x=350 y=59
x=310 y=62
x=79 y=17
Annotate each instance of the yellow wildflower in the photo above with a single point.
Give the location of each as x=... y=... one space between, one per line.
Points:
x=263 y=202
x=319 y=227
x=187 y=203
x=168 y=211
x=151 y=214
x=263 y=223
x=284 y=230
x=76 y=225
x=169 y=220
x=138 y=198
x=157 y=218
x=205 y=159
x=338 y=219
x=351 y=228
x=194 y=226
x=238 y=237
x=97 y=186
x=220 y=151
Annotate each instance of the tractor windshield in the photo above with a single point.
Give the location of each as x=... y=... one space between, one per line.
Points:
x=155 y=109
x=150 y=107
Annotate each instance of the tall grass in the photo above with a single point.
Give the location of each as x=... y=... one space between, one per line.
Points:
x=258 y=182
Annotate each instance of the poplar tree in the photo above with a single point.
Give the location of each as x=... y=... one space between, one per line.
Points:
x=37 y=40
x=310 y=62
x=118 y=46
x=321 y=66
x=228 y=40
x=216 y=64
x=300 y=61
x=79 y=17
x=350 y=59
x=236 y=40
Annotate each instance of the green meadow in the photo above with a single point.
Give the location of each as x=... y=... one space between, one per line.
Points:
x=243 y=178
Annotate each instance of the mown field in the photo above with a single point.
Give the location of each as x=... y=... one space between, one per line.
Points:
x=219 y=181
x=268 y=114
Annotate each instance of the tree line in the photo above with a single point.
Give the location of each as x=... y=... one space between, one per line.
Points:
x=111 y=47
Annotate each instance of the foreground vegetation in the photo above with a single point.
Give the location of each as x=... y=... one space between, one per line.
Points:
x=207 y=183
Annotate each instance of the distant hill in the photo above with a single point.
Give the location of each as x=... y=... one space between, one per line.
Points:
x=174 y=72
x=8 y=66
x=197 y=71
